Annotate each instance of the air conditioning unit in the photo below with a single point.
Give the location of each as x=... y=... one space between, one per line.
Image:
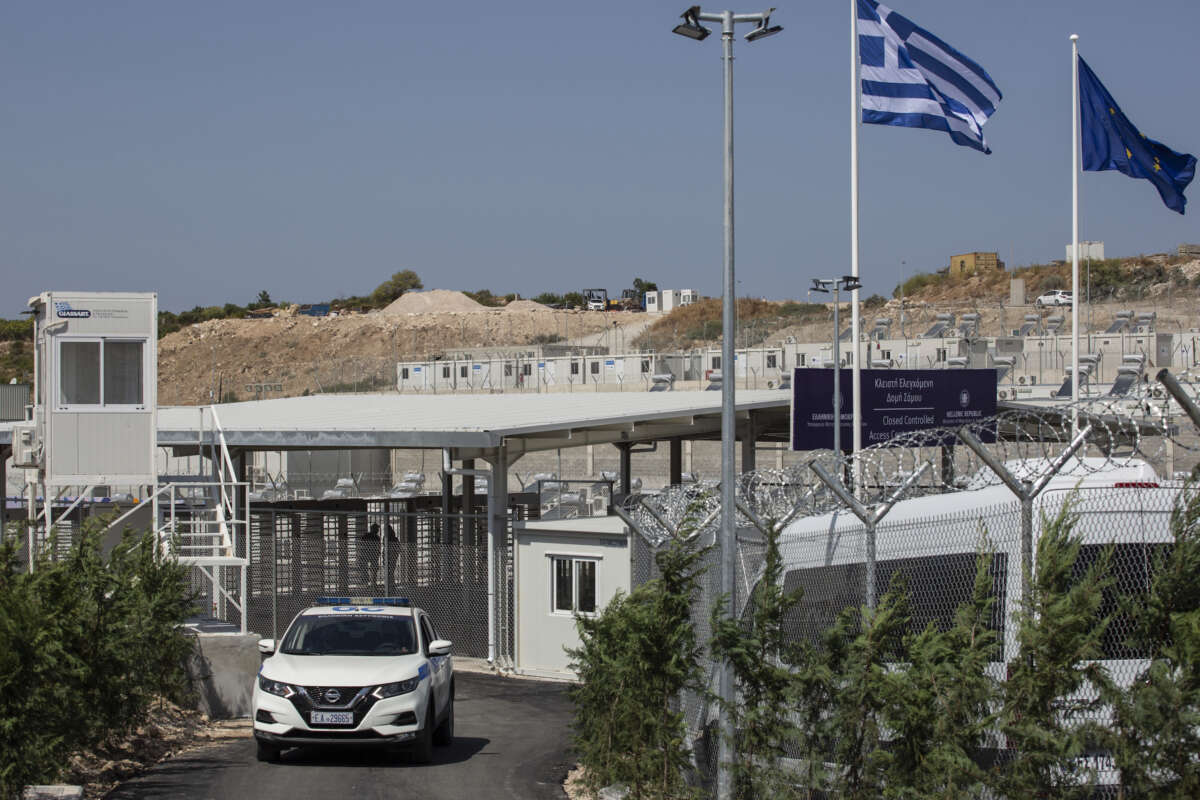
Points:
x=26 y=448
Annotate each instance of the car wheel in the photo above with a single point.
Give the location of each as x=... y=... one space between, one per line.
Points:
x=444 y=734
x=1037 y=303
x=422 y=752
x=267 y=752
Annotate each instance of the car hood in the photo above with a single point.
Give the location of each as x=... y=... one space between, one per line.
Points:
x=340 y=670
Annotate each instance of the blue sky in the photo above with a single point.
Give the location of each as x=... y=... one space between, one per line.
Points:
x=210 y=150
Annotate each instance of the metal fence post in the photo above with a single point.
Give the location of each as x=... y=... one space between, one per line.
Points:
x=1026 y=543
x=1026 y=491
x=274 y=578
x=386 y=563
x=869 y=518
x=1176 y=391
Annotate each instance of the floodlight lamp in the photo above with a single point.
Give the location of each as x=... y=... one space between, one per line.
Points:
x=819 y=285
x=691 y=27
x=850 y=283
x=765 y=28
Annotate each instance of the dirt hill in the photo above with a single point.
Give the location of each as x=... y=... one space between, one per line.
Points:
x=240 y=359
x=292 y=355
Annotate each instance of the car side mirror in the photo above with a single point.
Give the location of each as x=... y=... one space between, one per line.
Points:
x=440 y=647
x=266 y=646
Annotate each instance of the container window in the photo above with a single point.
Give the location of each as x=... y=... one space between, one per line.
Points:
x=101 y=372
x=574 y=585
x=123 y=373
x=79 y=373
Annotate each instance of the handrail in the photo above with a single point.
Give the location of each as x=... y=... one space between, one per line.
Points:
x=227 y=508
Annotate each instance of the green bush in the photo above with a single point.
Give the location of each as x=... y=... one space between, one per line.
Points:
x=918 y=282
x=939 y=704
x=1049 y=715
x=764 y=660
x=1157 y=731
x=16 y=330
x=634 y=660
x=86 y=645
x=878 y=710
x=861 y=645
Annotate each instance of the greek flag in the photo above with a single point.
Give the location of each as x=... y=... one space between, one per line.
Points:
x=913 y=79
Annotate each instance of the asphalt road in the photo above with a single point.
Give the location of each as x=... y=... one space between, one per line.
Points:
x=511 y=741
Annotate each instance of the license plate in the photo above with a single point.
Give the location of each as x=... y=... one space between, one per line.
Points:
x=331 y=718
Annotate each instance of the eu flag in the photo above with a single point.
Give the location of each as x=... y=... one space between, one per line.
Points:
x=1110 y=141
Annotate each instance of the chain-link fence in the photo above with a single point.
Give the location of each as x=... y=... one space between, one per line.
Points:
x=924 y=511
x=437 y=560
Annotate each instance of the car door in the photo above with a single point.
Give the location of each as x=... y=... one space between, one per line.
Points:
x=439 y=666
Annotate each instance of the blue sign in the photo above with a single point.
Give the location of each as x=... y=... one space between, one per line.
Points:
x=894 y=401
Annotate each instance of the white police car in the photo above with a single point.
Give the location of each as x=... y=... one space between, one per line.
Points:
x=355 y=671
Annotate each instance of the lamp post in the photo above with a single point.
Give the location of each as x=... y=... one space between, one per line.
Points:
x=849 y=283
x=691 y=28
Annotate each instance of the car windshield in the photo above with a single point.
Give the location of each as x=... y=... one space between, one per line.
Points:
x=350 y=635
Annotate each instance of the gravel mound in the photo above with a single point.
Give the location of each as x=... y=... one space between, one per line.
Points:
x=526 y=305
x=433 y=301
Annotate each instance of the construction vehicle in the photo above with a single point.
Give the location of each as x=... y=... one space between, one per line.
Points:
x=633 y=300
x=595 y=299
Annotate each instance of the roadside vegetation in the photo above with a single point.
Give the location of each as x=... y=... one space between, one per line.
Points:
x=879 y=707
x=1112 y=279
x=699 y=324
x=88 y=644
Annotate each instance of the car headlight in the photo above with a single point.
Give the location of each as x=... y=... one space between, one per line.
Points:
x=397 y=688
x=276 y=687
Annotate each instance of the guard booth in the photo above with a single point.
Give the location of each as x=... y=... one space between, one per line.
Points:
x=94 y=421
x=95 y=424
x=97 y=387
x=564 y=567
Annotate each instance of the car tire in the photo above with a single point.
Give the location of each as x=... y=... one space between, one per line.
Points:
x=422 y=752
x=444 y=733
x=267 y=752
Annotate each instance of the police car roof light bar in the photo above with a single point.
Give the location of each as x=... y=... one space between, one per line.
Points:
x=402 y=602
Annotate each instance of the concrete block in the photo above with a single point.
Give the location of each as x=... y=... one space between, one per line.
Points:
x=56 y=792
x=223 y=668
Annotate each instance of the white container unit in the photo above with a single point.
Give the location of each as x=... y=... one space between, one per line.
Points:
x=97 y=387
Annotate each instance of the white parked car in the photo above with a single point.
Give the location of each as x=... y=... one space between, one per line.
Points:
x=355 y=671
x=1056 y=297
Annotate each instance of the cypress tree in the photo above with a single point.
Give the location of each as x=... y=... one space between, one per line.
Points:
x=764 y=660
x=1157 y=720
x=635 y=659
x=1052 y=696
x=873 y=640
x=939 y=704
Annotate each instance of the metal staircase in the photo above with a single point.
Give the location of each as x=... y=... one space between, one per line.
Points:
x=205 y=523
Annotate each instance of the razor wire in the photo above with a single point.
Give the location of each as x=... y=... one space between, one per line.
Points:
x=1027 y=440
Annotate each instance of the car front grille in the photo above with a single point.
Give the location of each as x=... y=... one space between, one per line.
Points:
x=351 y=698
x=320 y=696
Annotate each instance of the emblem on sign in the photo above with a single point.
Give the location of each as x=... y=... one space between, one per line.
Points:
x=964 y=398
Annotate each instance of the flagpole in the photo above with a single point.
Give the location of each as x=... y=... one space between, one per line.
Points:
x=855 y=367
x=1074 y=235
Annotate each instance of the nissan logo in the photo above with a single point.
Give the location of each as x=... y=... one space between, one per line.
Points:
x=332 y=695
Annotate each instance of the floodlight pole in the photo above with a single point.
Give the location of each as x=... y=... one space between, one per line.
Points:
x=852 y=284
x=691 y=28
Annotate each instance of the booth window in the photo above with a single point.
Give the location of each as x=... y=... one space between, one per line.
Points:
x=101 y=372
x=574 y=585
